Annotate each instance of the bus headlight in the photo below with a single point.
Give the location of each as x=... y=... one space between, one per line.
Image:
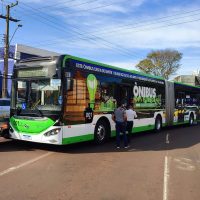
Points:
x=52 y=132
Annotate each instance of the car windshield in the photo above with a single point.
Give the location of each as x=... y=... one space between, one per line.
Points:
x=38 y=94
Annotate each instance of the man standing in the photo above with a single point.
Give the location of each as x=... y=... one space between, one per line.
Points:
x=131 y=115
x=119 y=116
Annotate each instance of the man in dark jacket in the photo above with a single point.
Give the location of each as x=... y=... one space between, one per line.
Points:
x=119 y=116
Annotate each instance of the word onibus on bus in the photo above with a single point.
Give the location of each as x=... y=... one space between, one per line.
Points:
x=65 y=99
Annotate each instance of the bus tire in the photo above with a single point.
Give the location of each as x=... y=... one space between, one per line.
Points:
x=102 y=131
x=191 y=119
x=158 y=124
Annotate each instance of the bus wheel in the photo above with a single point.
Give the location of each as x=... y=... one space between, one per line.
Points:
x=191 y=119
x=101 y=132
x=158 y=124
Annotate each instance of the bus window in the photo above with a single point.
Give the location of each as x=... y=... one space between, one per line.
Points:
x=180 y=100
x=123 y=94
x=107 y=100
x=21 y=93
x=69 y=84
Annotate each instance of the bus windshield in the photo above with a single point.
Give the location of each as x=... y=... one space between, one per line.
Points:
x=43 y=95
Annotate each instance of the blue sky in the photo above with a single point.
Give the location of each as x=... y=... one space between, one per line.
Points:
x=115 y=32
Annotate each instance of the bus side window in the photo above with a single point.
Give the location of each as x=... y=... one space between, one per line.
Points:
x=180 y=100
x=69 y=84
x=198 y=99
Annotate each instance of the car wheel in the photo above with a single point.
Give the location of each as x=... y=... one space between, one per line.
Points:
x=191 y=120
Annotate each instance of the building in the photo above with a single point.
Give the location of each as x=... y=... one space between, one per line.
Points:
x=18 y=52
x=188 y=79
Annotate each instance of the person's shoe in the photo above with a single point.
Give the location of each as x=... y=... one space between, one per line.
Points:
x=118 y=147
x=126 y=147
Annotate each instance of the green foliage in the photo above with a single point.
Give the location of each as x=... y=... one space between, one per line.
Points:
x=161 y=63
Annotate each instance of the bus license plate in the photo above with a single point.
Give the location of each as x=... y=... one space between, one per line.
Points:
x=27 y=137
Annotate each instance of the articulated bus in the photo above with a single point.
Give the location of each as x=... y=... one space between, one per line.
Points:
x=66 y=99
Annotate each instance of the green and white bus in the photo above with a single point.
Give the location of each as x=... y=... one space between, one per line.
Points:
x=66 y=99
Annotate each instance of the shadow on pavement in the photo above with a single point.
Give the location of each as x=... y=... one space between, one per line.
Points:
x=179 y=137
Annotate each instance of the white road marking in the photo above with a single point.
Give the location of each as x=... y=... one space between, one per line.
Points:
x=166 y=179
x=11 y=169
x=185 y=164
x=167 y=138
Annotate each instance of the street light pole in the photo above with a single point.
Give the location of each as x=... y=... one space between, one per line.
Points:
x=18 y=26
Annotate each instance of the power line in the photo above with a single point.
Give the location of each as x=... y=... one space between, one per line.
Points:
x=84 y=38
x=163 y=26
x=73 y=12
x=172 y=19
x=150 y=23
x=55 y=4
x=80 y=34
x=71 y=6
x=157 y=20
x=80 y=4
x=89 y=9
x=107 y=41
x=93 y=36
x=173 y=24
x=111 y=31
x=148 y=28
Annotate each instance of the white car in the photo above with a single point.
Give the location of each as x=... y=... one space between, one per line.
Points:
x=4 y=108
x=4 y=113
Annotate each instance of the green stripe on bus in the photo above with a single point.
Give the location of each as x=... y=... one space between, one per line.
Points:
x=89 y=137
x=31 y=126
x=75 y=139
x=137 y=129
x=180 y=123
x=164 y=124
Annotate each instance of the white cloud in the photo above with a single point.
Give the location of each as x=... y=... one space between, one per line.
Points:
x=35 y=1
x=155 y=36
x=124 y=65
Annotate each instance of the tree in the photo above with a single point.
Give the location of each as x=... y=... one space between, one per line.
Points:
x=161 y=63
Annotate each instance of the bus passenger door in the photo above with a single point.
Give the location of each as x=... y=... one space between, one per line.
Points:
x=180 y=104
x=123 y=94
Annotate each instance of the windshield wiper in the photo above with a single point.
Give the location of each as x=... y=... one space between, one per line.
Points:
x=34 y=107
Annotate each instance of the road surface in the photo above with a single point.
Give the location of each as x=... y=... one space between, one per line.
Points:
x=157 y=166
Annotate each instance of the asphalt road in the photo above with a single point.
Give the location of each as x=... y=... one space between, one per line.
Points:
x=161 y=166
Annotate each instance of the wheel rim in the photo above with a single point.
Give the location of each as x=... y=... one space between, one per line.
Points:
x=191 y=120
x=158 y=125
x=101 y=132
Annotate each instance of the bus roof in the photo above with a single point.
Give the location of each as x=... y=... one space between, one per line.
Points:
x=184 y=84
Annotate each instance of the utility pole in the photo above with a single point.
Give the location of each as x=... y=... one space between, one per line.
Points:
x=6 y=50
